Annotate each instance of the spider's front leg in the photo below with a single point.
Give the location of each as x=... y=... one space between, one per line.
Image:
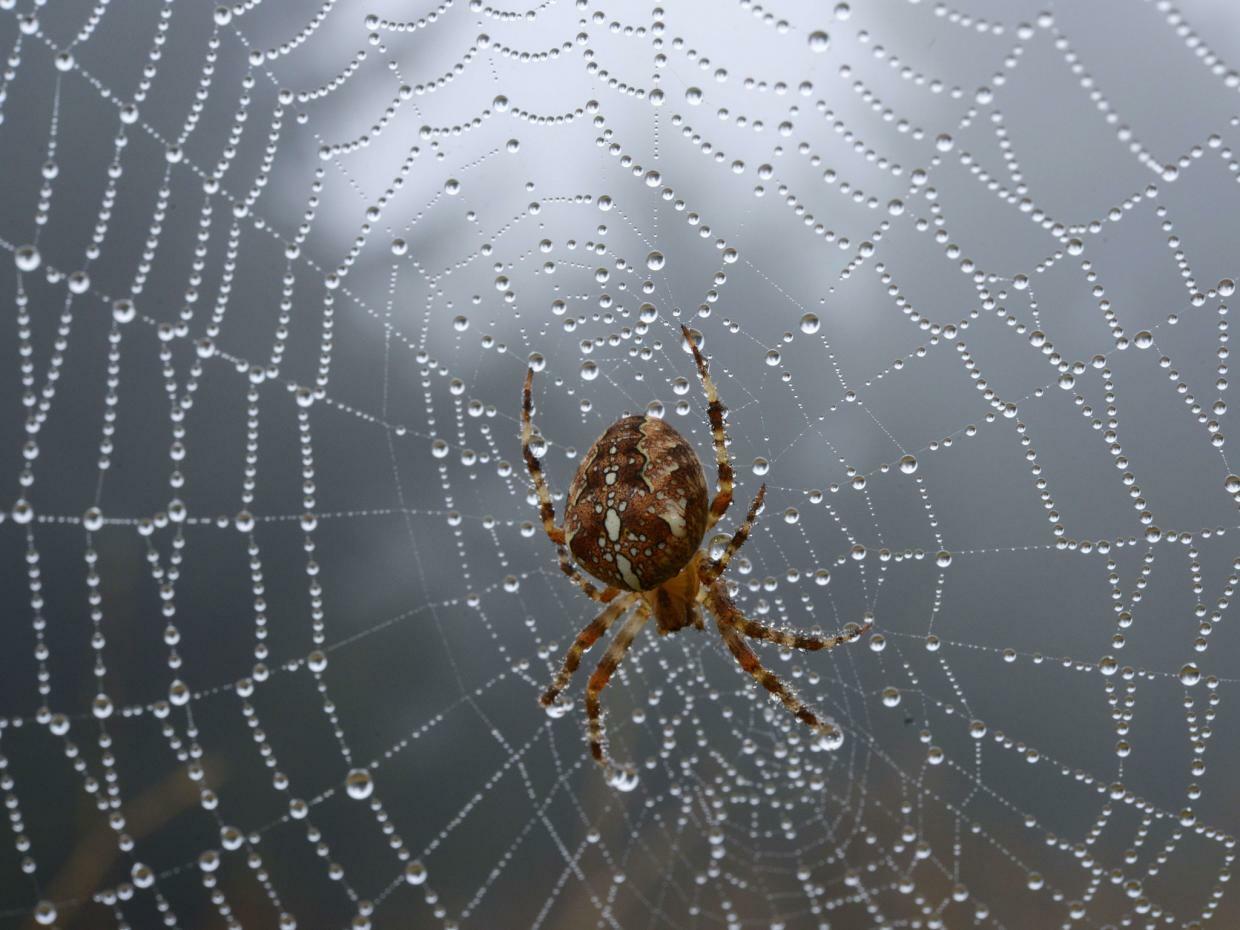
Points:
x=714 y=568
x=715 y=410
x=732 y=623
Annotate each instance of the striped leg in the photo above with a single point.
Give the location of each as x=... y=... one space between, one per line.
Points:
x=797 y=640
x=715 y=410
x=714 y=569
x=585 y=639
x=730 y=622
x=545 y=508
x=598 y=681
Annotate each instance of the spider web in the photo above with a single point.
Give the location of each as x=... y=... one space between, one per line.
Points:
x=277 y=610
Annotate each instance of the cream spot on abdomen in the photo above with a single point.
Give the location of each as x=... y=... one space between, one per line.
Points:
x=674 y=517
x=626 y=572
x=612 y=522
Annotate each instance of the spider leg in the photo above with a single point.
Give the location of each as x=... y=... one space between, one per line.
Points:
x=715 y=410
x=715 y=567
x=598 y=681
x=798 y=640
x=545 y=508
x=731 y=621
x=588 y=636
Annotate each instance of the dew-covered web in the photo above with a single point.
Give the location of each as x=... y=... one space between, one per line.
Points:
x=277 y=601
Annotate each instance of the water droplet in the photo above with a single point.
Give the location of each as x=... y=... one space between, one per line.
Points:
x=123 y=310
x=694 y=95
x=415 y=872
x=142 y=875
x=1190 y=675
x=623 y=779
x=358 y=784
x=810 y=324
x=761 y=466
x=830 y=739
x=452 y=186
x=27 y=258
x=908 y=464
x=79 y=282
x=819 y=41
x=1143 y=339
x=655 y=261
x=589 y=371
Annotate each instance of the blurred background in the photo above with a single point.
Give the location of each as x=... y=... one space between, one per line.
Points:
x=276 y=604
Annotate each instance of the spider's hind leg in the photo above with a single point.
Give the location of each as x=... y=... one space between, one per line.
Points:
x=602 y=675
x=588 y=636
x=730 y=622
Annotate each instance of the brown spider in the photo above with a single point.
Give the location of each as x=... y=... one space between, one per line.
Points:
x=635 y=517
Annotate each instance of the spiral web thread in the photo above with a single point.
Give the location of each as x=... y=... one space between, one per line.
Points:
x=277 y=607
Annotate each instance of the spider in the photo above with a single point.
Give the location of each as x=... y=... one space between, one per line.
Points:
x=635 y=516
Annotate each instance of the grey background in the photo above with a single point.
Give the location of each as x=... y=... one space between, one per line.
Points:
x=1076 y=164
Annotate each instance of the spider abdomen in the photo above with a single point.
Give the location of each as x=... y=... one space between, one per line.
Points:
x=637 y=507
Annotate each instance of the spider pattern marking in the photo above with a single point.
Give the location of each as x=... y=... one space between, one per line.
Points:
x=635 y=516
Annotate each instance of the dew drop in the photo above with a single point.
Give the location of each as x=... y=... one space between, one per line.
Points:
x=123 y=310
x=819 y=41
x=358 y=784
x=27 y=258
x=415 y=872
x=623 y=779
